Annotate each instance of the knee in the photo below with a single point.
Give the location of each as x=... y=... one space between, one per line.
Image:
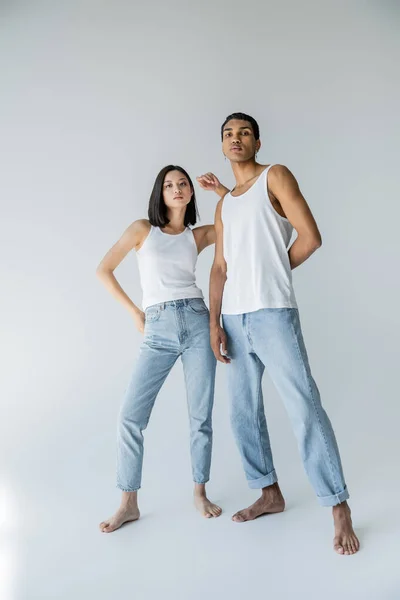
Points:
x=202 y=425
x=130 y=422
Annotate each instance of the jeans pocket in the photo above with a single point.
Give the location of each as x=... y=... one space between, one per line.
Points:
x=197 y=306
x=152 y=314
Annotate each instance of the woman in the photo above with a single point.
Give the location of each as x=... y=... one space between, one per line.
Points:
x=175 y=322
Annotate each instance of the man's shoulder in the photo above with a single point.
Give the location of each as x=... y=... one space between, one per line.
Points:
x=279 y=176
x=278 y=170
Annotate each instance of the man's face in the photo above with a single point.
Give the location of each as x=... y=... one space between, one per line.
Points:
x=238 y=141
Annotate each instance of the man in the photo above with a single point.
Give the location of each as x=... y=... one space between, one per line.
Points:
x=251 y=285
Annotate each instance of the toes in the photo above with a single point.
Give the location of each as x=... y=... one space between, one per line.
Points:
x=354 y=546
x=339 y=548
x=216 y=510
x=103 y=525
x=238 y=517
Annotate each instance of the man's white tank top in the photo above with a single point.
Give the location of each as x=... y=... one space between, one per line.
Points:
x=167 y=266
x=256 y=240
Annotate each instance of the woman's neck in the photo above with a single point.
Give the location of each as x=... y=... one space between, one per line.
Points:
x=176 y=223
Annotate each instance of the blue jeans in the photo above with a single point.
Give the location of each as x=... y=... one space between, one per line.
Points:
x=272 y=338
x=172 y=329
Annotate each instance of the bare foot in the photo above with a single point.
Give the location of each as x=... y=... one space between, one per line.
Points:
x=128 y=511
x=203 y=504
x=206 y=508
x=345 y=541
x=271 y=501
x=123 y=515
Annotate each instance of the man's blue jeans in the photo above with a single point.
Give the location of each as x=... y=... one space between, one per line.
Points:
x=272 y=339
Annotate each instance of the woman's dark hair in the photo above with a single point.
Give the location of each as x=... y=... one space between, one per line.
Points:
x=157 y=207
x=242 y=117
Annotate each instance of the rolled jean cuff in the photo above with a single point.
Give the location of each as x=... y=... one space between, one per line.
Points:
x=262 y=482
x=334 y=499
x=124 y=489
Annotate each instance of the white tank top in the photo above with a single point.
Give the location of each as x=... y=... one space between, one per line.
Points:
x=167 y=265
x=256 y=240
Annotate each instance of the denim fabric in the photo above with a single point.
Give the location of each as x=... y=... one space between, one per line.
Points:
x=172 y=329
x=272 y=338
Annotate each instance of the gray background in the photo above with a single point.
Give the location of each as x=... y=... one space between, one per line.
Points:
x=96 y=97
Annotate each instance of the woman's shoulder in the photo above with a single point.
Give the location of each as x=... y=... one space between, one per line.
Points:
x=138 y=232
x=141 y=225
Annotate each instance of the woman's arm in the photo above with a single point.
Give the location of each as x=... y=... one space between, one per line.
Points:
x=132 y=238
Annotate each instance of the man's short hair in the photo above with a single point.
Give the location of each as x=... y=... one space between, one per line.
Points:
x=242 y=117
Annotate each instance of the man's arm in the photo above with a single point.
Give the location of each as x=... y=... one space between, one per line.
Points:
x=286 y=195
x=217 y=282
x=210 y=182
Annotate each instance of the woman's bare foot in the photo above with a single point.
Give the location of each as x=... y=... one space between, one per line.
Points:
x=123 y=515
x=271 y=501
x=345 y=542
x=205 y=507
x=128 y=511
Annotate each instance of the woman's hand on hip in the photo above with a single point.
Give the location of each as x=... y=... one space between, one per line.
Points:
x=139 y=319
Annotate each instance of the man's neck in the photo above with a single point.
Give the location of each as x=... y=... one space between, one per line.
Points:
x=244 y=171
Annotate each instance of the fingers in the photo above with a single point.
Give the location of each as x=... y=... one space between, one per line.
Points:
x=207 y=181
x=219 y=342
x=224 y=344
x=221 y=357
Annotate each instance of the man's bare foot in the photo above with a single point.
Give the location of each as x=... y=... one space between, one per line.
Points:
x=345 y=542
x=271 y=501
x=128 y=511
x=205 y=507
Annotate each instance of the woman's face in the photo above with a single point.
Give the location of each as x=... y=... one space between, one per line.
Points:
x=176 y=190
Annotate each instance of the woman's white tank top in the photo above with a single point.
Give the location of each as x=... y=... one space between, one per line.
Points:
x=256 y=240
x=167 y=266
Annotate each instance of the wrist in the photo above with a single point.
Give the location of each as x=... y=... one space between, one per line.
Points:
x=221 y=190
x=214 y=323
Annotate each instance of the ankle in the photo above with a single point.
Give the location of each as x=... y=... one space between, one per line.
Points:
x=129 y=500
x=340 y=508
x=271 y=490
x=199 y=490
